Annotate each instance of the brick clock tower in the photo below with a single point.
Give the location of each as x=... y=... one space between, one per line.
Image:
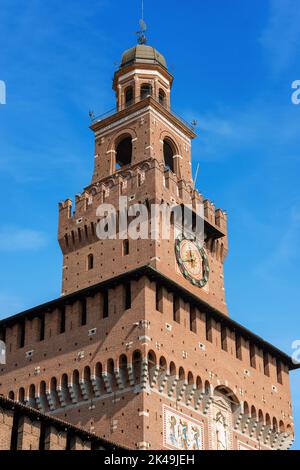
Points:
x=140 y=349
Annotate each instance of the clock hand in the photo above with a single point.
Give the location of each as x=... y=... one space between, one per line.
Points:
x=191 y=259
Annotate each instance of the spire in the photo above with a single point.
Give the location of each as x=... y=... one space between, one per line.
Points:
x=142 y=39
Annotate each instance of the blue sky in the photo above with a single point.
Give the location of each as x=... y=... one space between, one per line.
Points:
x=234 y=62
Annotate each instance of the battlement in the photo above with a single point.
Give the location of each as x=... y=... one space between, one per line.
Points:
x=138 y=183
x=140 y=359
x=139 y=348
x=215 y=216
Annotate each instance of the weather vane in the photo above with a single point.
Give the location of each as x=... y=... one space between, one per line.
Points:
x=142 y=39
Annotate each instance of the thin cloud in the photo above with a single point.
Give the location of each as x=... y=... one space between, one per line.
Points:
x=281 y=37
x=285 y=252
x=73 y=75
x=21 y=239
x=261 y=127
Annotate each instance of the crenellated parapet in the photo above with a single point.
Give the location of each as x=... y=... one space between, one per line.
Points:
x=221 y=219
x=65 y=209
x=136 y=183
x=215 y=216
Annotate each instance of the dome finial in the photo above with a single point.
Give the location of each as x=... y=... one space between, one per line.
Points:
x=142 y=39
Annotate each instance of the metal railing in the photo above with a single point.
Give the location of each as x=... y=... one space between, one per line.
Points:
x=130 y=103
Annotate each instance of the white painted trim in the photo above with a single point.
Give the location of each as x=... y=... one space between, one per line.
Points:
x=131 y=117
x=145 y=71
x=144 y=338
x=141 y=113
x=177 y=156
x=165 y=121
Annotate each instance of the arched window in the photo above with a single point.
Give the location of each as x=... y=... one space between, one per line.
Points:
x=128 y=96
x=162 y=97
x=11 y=395
x=168 y=155
x=90 y=262
x=124 y=152
x=146 y=90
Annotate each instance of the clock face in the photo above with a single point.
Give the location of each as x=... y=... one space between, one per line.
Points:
x=192 y=260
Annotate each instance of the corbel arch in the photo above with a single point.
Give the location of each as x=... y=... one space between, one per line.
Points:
x=172 y=369
x=228 y=393
x=163 y=364
x=181 y=373
x=190 y=378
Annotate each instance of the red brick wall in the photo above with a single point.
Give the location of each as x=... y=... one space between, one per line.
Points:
x=6 y=422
